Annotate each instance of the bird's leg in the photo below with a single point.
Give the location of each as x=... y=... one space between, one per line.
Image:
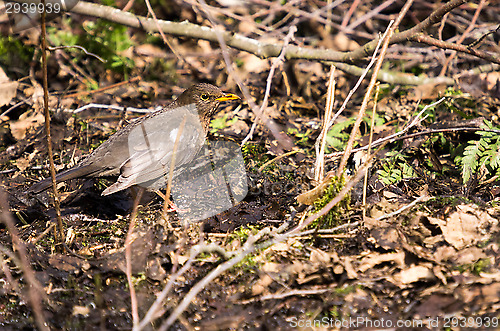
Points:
x=173 y=207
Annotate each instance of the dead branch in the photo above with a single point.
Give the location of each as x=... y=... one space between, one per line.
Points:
x=265 y=49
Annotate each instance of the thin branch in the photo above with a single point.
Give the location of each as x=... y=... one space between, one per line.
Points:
x=320 y=145
x=59 y=231
x=165 y=39
x=462 y=37
x=394 y=136
x=421 y=38
x=119 y=108
x=247 y=249
x=78 y=47
x=367 y=97
x=160 y=298
x=278 y=61
x=128 y=258
x=35 y=290
x=400 y=210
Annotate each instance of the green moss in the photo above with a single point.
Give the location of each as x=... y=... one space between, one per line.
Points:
x=335 y=215
x=255 y=153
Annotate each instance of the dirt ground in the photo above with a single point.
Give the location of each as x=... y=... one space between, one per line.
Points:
x=413 y=246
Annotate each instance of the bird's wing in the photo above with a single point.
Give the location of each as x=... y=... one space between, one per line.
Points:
x=152 y=145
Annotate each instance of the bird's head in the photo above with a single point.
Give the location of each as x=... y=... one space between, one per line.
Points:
x=206 y=97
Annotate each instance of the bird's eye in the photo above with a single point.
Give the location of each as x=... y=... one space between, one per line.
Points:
x=204 y=97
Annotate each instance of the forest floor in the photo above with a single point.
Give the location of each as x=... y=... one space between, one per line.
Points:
x=413 y=246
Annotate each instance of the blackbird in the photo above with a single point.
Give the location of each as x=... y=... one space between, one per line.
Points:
x=141 y=152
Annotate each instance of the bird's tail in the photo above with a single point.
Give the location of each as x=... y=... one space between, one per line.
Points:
x=75 y=172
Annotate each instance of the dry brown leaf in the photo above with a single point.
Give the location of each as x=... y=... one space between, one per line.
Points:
x=468 y=255
x=351 y=273
x=68 y=263
x=414 y=274
x=271 y=267
x=444 y=253
x=343 y=43
x=426 y=91
x=24 y=162
x=466 y=226
x=8 y=88
x=25 y=122
x=387 y=238
x=319 y=256
x=254 y=64
x=7 y=92
x=374 y=259
x=261 y=285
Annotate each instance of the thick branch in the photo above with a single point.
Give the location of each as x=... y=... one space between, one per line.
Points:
x=186 y=29
x=266 y=50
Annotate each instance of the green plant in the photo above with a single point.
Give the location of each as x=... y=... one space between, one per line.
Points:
x=303 y=137
x=481 y=153
x=221 y=123
x=14 y=53
x=337 y=136
x=102 y=38
x=396 y=168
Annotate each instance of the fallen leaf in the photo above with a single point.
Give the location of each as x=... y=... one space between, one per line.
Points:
x=414 y=274
x=372 y=260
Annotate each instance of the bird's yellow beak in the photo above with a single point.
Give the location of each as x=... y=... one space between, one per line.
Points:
x=228 y=97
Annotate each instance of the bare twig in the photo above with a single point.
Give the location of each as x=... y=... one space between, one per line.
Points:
x=119 y=108
x=319 y=169
x=348 y=186
x=372 y=126
x=462 y=37
x=153 y=311
x=370 y=14
x=102 y=89
x=128 y=257
x=172 y=166
x=247 y=248
x=402 y=209
x=362 y=75
x=277 y=158
x=417 y=119
x=59 y=231
x=492 y=57
x=349 y=13
x=278 y=61
x=393 y=77
x=364 y=104
x=78 y=47
x=165 y=39
x=35 y=290
x=220 y=38
x=369 y=90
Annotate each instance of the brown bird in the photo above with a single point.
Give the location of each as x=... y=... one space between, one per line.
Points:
x=141 y=152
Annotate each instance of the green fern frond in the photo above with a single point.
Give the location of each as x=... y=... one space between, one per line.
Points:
x=479 y=153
